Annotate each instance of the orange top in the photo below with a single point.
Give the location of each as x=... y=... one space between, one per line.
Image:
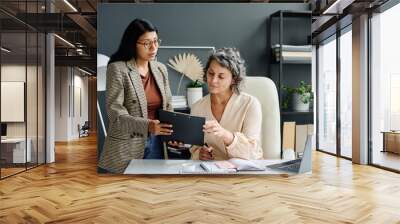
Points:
x=153 y=95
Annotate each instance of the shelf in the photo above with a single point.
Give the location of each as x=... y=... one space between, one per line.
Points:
x=291 y=56
x=300 y=117
x=296 y=112
x=288 y=13
x=293 y=62
x=296 y=63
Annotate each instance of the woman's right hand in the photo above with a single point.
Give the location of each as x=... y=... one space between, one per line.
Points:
x=206 y=153
x=157 y=128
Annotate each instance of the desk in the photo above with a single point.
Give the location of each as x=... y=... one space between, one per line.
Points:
x=13 y=150
x=391 y=141
x=154 y=166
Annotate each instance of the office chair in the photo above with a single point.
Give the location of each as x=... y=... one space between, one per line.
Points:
x=265 y=91
x=84 y=129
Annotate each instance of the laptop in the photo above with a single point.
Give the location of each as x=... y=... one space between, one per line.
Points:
x=297 y=166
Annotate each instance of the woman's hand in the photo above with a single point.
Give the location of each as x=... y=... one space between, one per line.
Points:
x=157 y=128
x=176 y=144
x=214 y=128
x=206 y=153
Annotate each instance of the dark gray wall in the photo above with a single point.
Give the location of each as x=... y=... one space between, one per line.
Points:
x=240 y=25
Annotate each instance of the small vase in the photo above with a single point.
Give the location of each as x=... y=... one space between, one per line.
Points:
x=193 y=95
x=298 y=105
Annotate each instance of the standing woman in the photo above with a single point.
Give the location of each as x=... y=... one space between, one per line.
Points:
x=136 y=87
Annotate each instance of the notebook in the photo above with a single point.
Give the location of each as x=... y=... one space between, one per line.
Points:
x=230 y=166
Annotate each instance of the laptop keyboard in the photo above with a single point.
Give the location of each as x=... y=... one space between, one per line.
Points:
x=293 y=165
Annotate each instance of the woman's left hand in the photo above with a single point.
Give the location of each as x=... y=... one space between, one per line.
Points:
x=176 y=144
x=214 y=128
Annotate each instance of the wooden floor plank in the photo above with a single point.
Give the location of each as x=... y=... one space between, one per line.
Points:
x=70 y=191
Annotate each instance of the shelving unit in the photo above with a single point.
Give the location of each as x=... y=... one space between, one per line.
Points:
x=291 y=30
x=296 y=112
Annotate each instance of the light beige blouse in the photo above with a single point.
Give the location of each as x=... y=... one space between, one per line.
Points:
x=243 y=117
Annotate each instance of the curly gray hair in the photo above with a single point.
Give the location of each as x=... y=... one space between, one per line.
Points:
x=229 y=58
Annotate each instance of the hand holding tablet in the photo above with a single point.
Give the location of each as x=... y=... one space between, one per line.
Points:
x=187 y=129
x=157 y=128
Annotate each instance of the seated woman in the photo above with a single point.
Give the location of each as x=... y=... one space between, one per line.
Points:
x=233 y=118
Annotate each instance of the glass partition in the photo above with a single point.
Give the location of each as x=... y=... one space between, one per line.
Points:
x=327 y=96
x=385 y=89
x=346 y=93
x=23 y=87
x=41 y=97
x=13 y=92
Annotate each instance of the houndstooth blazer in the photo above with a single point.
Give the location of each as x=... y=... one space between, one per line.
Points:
x=126 y=107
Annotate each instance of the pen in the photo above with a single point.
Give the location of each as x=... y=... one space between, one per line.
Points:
x=204 y=167
x=209 y=152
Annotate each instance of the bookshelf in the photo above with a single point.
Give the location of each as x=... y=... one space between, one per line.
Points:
x=291 y=57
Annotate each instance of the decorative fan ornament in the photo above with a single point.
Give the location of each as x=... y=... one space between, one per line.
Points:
x=188 y=65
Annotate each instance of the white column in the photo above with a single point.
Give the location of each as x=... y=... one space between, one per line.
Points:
x=63 y=112
x=50 y=92
x=50 y=101
x=360 y=90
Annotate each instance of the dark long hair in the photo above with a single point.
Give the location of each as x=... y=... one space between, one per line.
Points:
x=127 y=47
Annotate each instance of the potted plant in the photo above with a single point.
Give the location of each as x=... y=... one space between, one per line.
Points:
x=194 y=92
x=188 y=65
x=300 y=96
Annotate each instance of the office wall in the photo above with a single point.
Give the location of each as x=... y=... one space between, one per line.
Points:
x=243 y=26
x=71 y=102
x=15 y=72
x=81 y=104
x=33 y=126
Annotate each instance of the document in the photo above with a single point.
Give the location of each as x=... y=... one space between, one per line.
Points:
x=230 y=166
x=211 y=167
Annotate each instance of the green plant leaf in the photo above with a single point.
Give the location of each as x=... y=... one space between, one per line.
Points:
x=304 y=90
x=195 y=84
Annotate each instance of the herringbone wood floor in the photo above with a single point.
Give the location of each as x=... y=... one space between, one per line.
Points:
x=70 y=191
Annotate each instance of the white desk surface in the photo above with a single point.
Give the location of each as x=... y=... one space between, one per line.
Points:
x=154 y=166
x=13 y=140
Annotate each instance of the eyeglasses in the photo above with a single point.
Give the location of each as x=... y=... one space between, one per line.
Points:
x=148 y=43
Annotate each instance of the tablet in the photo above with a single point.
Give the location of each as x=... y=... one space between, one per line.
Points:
x=187 y=128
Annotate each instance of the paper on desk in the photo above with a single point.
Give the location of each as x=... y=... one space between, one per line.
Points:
x=239 y=164
x=211 y=167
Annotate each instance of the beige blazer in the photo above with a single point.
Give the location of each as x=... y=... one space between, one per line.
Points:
x=243 y=117
x=126 y=107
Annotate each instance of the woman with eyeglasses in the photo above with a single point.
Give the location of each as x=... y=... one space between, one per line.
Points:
x=136 y=87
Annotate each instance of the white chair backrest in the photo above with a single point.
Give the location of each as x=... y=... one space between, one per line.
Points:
x=265 y=91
